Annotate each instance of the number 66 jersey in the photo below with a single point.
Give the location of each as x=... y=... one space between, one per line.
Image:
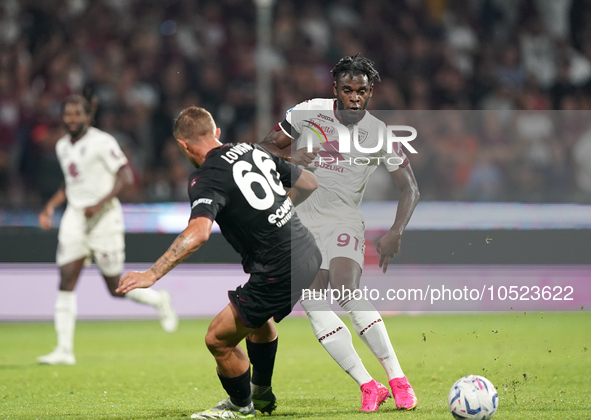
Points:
x=242 y=187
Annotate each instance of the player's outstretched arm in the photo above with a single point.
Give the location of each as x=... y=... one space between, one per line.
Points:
x=189 y=241
x=303 y=187
x=123 y=180
x=389 y=244
x=278 y=143
x=47 y=213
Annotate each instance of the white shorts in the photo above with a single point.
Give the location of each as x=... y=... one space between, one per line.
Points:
x=340 y=241
x=101 y=236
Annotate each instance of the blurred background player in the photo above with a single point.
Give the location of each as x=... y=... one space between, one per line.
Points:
x=95 y=171
x=241 y=186
x=332 y=214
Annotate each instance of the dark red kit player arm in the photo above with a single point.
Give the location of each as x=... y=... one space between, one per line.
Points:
x=279 y=143
x=47 y=213
x=389 y=244
x=123 y=180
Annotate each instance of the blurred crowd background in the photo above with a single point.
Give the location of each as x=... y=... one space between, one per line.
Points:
x=522 y=66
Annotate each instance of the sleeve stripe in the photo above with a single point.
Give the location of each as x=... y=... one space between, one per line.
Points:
x=286 y=128
x=402 y=165
x=194 y=216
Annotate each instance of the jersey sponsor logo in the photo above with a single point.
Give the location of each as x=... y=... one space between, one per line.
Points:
x=329 y=130
x=325 y=130
x=235 y=152
x=194 y=181
x=283 y=214
x=316 y=128
x=325 y=117
x=329 y=167
x=201 y=201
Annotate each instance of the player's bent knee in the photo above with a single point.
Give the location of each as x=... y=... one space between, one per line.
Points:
x=216 y=346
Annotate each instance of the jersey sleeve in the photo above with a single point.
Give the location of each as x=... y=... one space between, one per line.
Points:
x=396 y=158
x=205 y=199
x=58 y=149
x=112 y=154
x=293 y=126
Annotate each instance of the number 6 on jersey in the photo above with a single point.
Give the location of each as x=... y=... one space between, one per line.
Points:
x=245 y=177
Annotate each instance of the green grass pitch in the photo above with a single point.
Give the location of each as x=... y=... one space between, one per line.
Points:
x=539 y=363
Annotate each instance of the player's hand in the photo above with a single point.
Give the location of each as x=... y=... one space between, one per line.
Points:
x=387 y=246
x=45 y=218
x=135 y=280
x=302 y=157
x=92 y=210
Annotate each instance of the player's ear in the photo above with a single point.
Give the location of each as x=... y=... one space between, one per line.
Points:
x=182 y=145
x=218 y=131
x=370 y=89
x=334 y=88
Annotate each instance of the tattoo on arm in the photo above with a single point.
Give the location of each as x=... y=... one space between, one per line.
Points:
x=178 y=251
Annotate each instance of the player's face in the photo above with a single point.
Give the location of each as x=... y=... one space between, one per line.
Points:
x=75 y=119
x=352 y=93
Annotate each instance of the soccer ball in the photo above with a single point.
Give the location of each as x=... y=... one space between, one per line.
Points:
x=473 y=397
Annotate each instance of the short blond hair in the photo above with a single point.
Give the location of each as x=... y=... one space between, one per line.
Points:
x=192 y=123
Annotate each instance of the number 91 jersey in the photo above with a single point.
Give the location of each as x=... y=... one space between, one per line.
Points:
x=242 y=187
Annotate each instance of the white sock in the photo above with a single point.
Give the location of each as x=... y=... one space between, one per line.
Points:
x=65 y=320
x=370 y=327
x=146 y=296
x=335 y=338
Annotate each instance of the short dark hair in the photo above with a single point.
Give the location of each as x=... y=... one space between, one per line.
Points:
x=192 y=123
x=77 y=99
x=354 y=65
x=88 y=106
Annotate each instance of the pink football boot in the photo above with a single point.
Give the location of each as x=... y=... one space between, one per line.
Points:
x=404 y=395
x=373 y=394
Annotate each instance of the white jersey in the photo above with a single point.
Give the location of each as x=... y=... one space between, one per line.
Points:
x=90 y=166
x=342 y=176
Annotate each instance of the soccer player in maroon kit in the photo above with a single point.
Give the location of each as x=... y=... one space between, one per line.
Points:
x=332 y=214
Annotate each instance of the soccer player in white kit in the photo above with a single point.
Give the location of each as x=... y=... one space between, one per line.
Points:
x=95 y=171
x=332 y=214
